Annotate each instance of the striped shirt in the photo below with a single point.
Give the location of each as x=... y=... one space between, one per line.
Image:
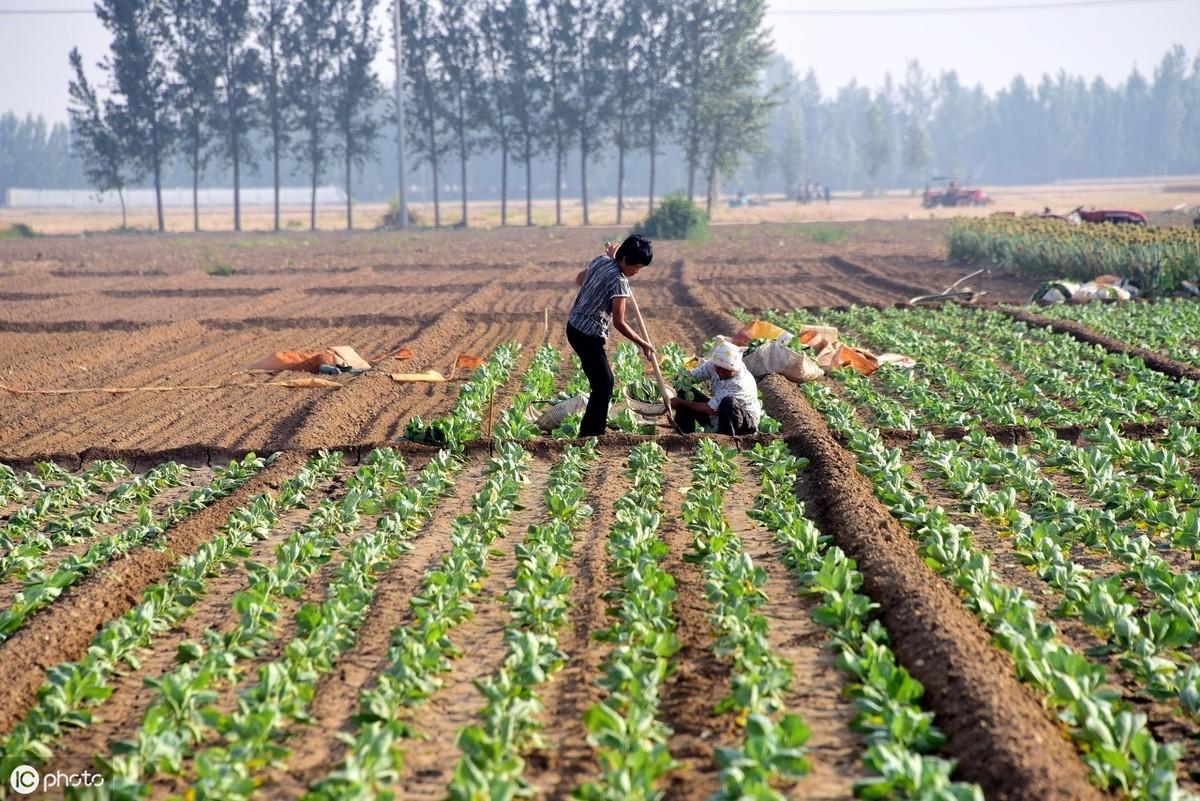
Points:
x=741 y=386
x=592 y=312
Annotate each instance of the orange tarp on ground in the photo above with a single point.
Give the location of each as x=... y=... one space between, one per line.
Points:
x=310 y=361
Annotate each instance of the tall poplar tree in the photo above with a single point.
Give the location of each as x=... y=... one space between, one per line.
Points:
x=309 y=45
x=239 y=71
x=457 y=43
x=355 y=91
x=425 y=86
x=491 y=102
x=271 y=24
x=95 y=141
x=193 y=61
x=139 y=78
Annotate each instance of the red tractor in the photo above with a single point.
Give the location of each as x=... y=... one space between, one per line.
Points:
x=951 y=194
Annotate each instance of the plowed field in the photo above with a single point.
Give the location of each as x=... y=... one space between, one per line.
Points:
x=804 y=613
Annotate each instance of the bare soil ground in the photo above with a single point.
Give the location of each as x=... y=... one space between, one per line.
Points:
x=130 y=311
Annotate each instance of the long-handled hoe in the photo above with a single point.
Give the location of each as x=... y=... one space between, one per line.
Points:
x=658 y=376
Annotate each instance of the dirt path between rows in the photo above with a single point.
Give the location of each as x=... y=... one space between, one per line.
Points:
x=999 y=733
x=815 y=693
x=700 y=678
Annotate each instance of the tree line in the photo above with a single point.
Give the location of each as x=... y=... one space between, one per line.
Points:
x=204 y=80
x=1061 y=127
x=895 y=135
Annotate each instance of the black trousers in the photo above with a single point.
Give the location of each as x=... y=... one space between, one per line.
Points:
x=594 y=359
x=731 y=417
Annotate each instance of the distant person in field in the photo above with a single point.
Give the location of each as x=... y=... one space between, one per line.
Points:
x=731 y=406
x=603 y=289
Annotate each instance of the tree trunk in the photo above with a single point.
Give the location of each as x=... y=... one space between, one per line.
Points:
x=437 y=209
x=312 y=210
x=559 y=158
x=462 y=159
x=712 y=174
x=237 y=186
x=195 y=186
x=528 y=179
x=275 y=161
x=620 y=167
x=503 y=183
x=653 y=159
x=583 y=154
x=349 y=203
x=158 y=194
x=121 y=197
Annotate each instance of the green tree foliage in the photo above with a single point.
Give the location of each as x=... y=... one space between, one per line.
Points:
x=424 y=78
x=193 y=60
x=309 y=43
x=457 y=43
x=96 y=142
x=239 y=72
x=139 y=78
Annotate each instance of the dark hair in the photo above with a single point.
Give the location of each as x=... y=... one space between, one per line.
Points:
x=635 y=251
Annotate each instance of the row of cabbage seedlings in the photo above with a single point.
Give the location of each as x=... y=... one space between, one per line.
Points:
x=254 y=734
x=624 y=729
x=1169 y=325
x=465 y=422
x=179 y=716
x=1119 y=750
x=421 y=650
x=980 y=353
x=26 y=521
x=1145 y=636
x=23 y=549
x=901 y=738
x=491 y=766
x=72 y=689
x=40 y=589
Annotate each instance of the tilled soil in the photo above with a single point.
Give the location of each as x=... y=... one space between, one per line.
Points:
x=112 y=311
x=998 y=732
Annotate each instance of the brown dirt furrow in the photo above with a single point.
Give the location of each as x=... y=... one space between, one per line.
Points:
x=429 y=760
x=314 y=750
x=997 y=731
x=62 y=631
x=568 y=760
x=700 y=678
x=345 y=415
x=120 y=717
x=1153 y=359
x=815 y=694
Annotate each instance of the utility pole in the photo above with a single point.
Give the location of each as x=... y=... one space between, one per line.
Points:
x=403 y=201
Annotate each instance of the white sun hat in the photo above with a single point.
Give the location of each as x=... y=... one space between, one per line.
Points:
x=727 y=355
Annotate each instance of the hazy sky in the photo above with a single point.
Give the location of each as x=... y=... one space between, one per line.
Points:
x=988 y=47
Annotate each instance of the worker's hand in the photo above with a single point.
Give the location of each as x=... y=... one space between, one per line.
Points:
x=649 y=352
x=610 y=249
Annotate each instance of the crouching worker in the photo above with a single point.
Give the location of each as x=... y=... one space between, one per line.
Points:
x=732 y=406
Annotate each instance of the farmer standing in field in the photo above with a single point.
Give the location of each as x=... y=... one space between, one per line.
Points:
x=603 y=288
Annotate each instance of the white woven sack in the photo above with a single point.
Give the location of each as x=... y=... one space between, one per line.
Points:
x=552 y=418
x=775 y=357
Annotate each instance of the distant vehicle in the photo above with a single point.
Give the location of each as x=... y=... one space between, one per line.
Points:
x=1078 y=216
x=951 y=194
x=1114 y=216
